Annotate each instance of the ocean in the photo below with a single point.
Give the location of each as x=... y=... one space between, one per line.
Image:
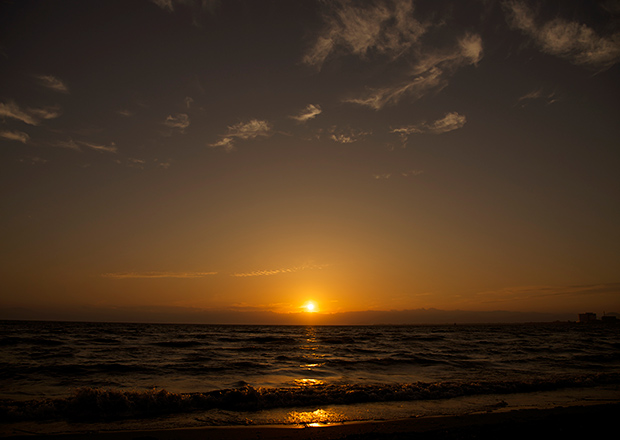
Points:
x=191 y=375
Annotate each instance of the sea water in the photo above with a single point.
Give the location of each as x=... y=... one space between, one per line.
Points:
x=89 y=371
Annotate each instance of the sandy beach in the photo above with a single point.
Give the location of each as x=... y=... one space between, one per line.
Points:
x=562 y=422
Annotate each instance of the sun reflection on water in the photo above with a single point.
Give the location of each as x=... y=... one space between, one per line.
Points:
x=320 y=417
x=308 y=382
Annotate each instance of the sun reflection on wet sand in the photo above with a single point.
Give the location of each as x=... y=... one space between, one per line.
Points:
x=308 y=382
x=320 y=417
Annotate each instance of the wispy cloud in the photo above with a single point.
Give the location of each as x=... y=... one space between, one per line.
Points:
x=132 y=162
x=430 y=73
x=227 y=143
x=387 y=31
x=382 y=176
x=34 y=160
x=415 y=87
x=165 y=4
x=101 y=148
x=411 y=173
x=30 y=116
x=347 y=135
x=77 y=145
x=70 y=144
x=53 y=83
x=408 y=173
x=537 y=95
x=157 y=274
x=386 y=28
x=570 y=40
x=18 y=136
x=451 y=121
x=310 y=112
x=243 y=130
x=164 y=165
x=249 y=130
x=180 y=122
x=260 y=273
x=125 y=113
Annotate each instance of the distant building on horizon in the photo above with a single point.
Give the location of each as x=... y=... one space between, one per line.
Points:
x=587 y=317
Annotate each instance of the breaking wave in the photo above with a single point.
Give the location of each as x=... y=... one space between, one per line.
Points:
x=89 y=404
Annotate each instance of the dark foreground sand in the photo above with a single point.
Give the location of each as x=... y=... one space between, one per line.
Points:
x=576 y=422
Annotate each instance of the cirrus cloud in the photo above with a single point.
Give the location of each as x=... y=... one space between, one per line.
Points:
x=450 y=122
x=18 y=136
x=52 y=83
x=258 y=273
x=310 y=112
x=243 y=130
x=575 y=42
x=179 y=122
x=383 y=27
x=30 y=116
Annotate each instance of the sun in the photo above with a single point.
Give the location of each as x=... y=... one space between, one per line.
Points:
x=310 y=307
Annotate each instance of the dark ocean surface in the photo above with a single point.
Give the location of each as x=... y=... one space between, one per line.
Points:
x=106 y=371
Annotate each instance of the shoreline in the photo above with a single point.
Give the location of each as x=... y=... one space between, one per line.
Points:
x=567 y=422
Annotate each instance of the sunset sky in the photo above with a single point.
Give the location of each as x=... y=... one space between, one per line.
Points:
x=254 y=155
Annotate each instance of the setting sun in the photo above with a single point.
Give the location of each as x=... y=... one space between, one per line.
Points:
x=310 y=307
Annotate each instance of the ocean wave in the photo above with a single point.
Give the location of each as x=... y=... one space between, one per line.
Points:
x=86 y=404
x=178 y=344
x=71 y=370
x=112 y=341
x=16 y=340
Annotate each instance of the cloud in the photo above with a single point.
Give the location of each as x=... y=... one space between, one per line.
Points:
x=156 y=274
x=411 y=173
x=18 y=136
x=77 y=145
x=385 y=176
x=347 y=135
x=429 y=73
x=450 y=122
x=132 y=162
x=178 y=122
x=575 y=42
x=245 y=131
x=125 y=113
x=30 y=116
x=538 y=94
x=414 y=87
x=101 y=148
x=227 y=143
x=386 y=28
x=249 y=130
x=53 y=83
x=310 y=112
x=164 y=4
x=70 y=144
x=259 y=273
x=34 y=160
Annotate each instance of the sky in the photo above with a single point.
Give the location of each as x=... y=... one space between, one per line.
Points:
x=160 y=159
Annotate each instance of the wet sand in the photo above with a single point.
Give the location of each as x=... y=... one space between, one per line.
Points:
x=573 y=422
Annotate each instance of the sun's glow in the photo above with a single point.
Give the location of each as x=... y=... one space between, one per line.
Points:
x=310 y=307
